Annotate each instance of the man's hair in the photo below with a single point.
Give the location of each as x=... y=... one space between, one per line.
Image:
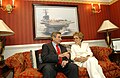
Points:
x=54 y=34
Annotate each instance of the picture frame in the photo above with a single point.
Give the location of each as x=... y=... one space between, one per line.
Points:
x=115 y=45
x=52 y=18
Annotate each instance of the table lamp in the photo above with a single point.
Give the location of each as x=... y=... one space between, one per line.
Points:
x=107 y=27
x=4 y=31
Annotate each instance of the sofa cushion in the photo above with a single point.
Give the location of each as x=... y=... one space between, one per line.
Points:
x=108 y=66
x=33 y=73
x=30 y=73
x=60 y=75
x=82 y=71
x=101 y=53
x=27 y=59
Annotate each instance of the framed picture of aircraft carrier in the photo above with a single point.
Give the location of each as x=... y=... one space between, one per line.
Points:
x=52 y=18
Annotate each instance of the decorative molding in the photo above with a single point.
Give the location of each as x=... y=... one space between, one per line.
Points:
x=104 y=2
x=113 y=1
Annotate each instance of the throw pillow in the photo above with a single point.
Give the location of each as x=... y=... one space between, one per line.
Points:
x=36 y=58
x=33 y=58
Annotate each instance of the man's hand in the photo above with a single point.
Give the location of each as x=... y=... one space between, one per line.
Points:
x=60 y=55
x=67 y=54
x=63 y=64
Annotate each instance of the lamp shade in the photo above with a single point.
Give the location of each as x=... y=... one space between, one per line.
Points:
x=5 y=30
x=107 y=26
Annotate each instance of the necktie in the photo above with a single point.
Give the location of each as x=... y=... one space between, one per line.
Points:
x=58 y=52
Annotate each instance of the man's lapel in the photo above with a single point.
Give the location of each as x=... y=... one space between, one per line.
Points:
x=52 y=47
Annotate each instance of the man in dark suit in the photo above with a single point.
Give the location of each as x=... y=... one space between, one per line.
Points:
x=54 y=62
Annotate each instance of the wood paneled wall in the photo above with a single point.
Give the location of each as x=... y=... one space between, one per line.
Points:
x=21 y=21
x=115 y=17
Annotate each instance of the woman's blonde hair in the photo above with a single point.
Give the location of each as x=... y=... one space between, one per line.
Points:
x=79 y=34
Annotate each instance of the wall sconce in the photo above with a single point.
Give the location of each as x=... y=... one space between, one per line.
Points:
x=95 y=9
x=9 y=8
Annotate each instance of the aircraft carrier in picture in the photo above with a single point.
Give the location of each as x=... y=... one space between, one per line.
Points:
x=53 y=25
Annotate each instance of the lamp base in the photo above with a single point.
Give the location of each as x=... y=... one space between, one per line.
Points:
x=108 y=38
x=2 y=62
x=1 y=57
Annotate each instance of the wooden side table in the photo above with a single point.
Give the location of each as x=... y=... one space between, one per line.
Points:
x=4 y=70
x=115 y=57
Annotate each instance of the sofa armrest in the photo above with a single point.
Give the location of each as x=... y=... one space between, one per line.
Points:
x=28 y=61
x=17 y=62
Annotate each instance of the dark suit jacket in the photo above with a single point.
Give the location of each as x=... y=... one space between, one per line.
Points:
x=49 y=54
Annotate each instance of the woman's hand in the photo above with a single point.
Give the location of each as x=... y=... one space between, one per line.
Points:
x=81 y=59
x=84 y=59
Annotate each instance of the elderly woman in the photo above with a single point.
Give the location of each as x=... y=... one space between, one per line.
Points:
x=82 y=56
